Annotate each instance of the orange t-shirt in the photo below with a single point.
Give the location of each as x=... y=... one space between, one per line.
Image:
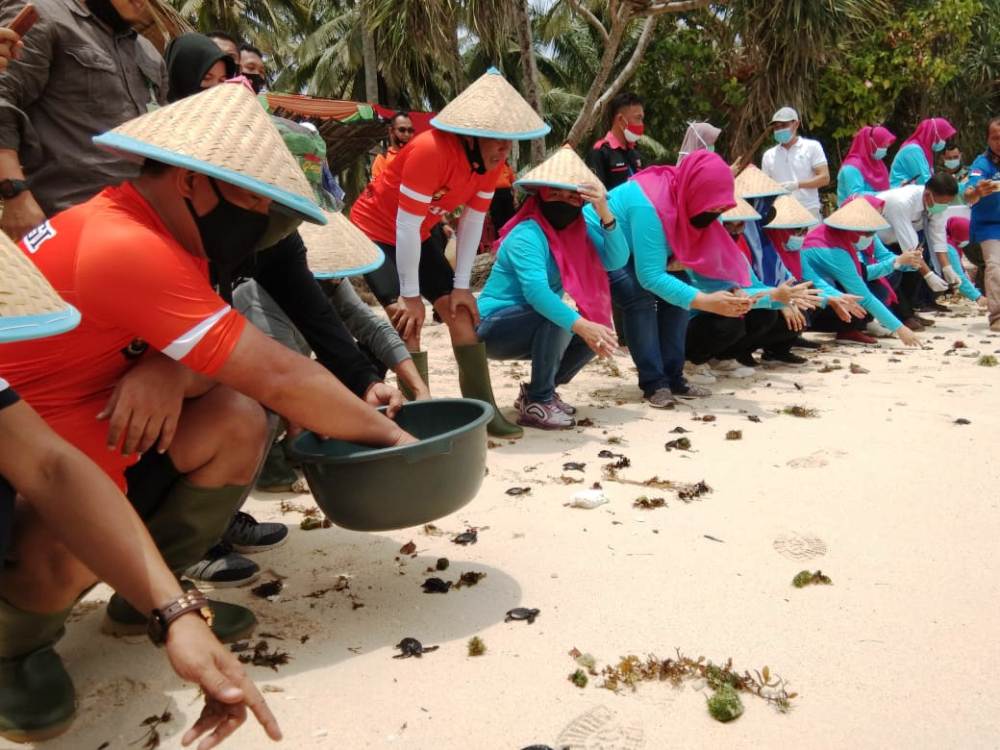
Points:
x=430 y=177
x=114 y=260
x=384 y=160
x=507 y=177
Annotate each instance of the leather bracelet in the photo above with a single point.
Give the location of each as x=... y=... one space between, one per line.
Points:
x=161 y=619
x=610 y=225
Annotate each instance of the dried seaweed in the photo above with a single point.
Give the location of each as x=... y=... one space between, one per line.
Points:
x=693 y=491
x=805 y=578
x=311 y=522
x=754 y=418
x=408 y=549
x=263 y=656
x=857 y=369
x=268 y=589
x=649 y=503
x=734 y=435
x=476 y=646
x=987 y=360
x=800 y=411
x=152 y=724
x=585 y=422
x=579 y=678
x=680 y=444
x=571 y=466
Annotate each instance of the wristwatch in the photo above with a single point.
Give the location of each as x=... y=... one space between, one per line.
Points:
x=610 y=225
x=12 y=188
x=161 y=619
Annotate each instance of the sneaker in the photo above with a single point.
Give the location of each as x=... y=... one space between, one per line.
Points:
x=701 y=374
x=543 y=416
x=741 y=373
x=661 y=398
x=690 y=390
x=247 y=535
x=563 y=406
x=725 y=366
x=855 y=337
x=876 y=329
x=935 y=307
x=223 y=568
x=803 y=343
x=925 y=322
x=787 y=357
x=748 y=360
x=914 y=324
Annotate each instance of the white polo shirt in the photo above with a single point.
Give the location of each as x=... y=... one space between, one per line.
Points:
x=904 y=210
x=796 y=162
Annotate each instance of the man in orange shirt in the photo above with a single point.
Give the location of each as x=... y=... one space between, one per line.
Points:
x=177 y=370
x=456 y=164
x=400 y=133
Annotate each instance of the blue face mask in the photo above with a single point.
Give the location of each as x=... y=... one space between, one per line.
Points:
x=937 y=146
x=783 y=136
x=795 y=242
x=865 y=242
x=937 y=208
x=952 y=163
x=710 y=148
x=880 y=153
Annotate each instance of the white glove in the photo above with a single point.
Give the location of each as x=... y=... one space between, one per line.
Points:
x=790 y=186
x=951 y=276
x=935 y=282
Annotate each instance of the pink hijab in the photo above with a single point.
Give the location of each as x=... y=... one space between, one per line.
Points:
x=583 y=275
x=701 y=182
x=928 y=131
x=844 y=239
x=957 y=230
x=860 y=155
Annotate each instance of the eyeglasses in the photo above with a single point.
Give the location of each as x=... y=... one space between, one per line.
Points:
x=404 y=130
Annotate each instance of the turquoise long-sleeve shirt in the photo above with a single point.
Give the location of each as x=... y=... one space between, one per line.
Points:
x=525 y=272
x=709 y=285
x=966 y=287
x=909 y=167
x=850 y=182
x=834 y=266
x=643 y=232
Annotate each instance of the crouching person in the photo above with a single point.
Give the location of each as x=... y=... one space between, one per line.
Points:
x=547 y=247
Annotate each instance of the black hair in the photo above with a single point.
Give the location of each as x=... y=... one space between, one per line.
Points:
x=993 y=121
x=951 y=145
x=943 y=184
x=219 y=34
x=621 y=100
x=153 y=168
x=399 y=113
x=253 y=50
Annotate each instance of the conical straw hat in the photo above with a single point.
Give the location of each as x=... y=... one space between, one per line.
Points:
x=491 y=108
x=339 y=249
x=857 y=216
x=753 y=183
x=222 y=132
x=563 y=169
x=742 y=211
x=29 y=306
x=790 y=214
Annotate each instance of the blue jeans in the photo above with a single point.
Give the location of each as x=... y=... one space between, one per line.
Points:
x=654 y=329
x=556 y=354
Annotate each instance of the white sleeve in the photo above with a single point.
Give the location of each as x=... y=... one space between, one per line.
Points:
x=470 y=234
x=896 y=213
x=408 y=252
x=817 y=158
x=936 y=241
x=767 y=163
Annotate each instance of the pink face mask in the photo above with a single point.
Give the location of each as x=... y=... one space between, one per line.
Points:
x=634 y=132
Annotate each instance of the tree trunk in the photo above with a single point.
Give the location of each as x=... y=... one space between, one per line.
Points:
x=368 y=53
x=529 y=70
x=588 y=112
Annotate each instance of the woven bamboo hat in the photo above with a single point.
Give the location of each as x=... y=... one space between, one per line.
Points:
x=742 y=211
x=790 y=214
x=222 y=132
x=491 y=108
x=563 y=169
x=857 y=216
x=339 y=249
x=29 y=306
x=753 y=183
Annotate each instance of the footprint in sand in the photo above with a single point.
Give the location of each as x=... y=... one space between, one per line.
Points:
x=815 y=460
x=600 y=729
x=799 y=546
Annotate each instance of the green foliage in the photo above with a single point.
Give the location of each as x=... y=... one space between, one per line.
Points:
x=725 y=704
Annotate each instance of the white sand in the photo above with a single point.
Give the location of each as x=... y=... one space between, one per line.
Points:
x=893 y=500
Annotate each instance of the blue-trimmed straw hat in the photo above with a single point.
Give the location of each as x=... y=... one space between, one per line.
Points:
x=789 y=213
x=491 y=108
x=224 y=133
x=753 y=183
x=339 y=249
x=29 y=307
x=742 y=211
x=564 y=169
x=857 y=215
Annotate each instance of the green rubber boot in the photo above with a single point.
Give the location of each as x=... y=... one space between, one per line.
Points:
x=37 y=699
x=474 y=381
x=188 y=522
x=420 y=362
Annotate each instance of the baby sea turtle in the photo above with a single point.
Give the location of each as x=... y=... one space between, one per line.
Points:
x=522 y=613
x=574 y=466
x=470 y=536
x=412 y=647
x=436 y=586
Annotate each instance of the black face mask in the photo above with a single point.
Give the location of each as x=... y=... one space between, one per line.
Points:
x=475 y=156
x=104 y=11
x=559 y=213
x=257 y=81
x=704 y=219
x=229 y=234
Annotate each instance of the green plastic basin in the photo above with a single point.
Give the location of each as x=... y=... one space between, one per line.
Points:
x=368 y=489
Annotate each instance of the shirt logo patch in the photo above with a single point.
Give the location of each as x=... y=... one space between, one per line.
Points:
x=38 y=236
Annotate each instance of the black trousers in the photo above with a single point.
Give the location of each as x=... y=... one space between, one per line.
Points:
x=711 y=336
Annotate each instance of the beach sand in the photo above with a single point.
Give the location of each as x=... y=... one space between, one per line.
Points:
x=881 y=490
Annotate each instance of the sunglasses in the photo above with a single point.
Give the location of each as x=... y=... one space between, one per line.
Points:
x=404 y=130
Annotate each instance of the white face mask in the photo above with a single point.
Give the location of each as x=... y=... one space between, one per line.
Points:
x=865 y=242
x=795 y=242
x=963 y=244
